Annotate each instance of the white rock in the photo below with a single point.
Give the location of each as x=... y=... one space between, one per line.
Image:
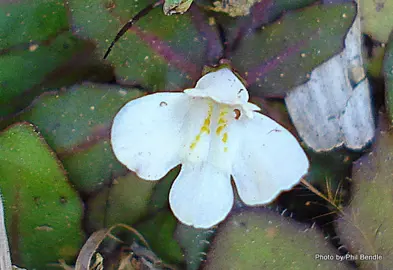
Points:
x=334 y=107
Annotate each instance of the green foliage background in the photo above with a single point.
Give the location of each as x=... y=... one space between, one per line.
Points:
x=61 y=182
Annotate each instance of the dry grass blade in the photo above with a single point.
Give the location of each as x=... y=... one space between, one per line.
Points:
x=89 y=248
x=140 y=236
x=94 y=241
x=318 y=193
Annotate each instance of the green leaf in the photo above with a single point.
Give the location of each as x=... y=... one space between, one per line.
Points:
x=377 y=20
x=21 y=70
x=388 y=74
x=125 y=201
x=159 y=233
x=374 y=64
x=93 y=167
x=280 y=56
x=261 y=239
x=76 y=124
x=329 y=168
x=43 y=213
x=34 y=41
x=366 y=224
x=194 y=242
x=262 y=13
x=274 y=8
x=160 y=196
x=27 y=21
x=158 y=52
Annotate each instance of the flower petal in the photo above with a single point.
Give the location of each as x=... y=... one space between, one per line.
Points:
x=201 y=195
x=147 y=133
x=269 y=160
x=222 y=86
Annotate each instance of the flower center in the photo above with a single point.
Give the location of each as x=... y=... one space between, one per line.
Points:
x=218 y=125
x=210 y=139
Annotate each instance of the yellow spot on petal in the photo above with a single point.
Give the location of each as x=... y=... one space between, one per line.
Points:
x=225 y=149
x=219 y=129
x=225 y=137
x=207 y=122
x=192 y=146
x=222 y=121
x=223 y=112
x=205 y=128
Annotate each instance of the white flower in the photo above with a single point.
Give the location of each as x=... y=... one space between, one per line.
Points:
x=214 y=132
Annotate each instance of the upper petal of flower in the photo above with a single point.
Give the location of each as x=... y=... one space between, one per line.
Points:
x=147 y=133
x=269 y=160
x=222 y=86
x=201 y=195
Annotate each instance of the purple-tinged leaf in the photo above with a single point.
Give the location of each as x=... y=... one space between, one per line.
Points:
x=159 y=52
x=34 y=41
x=262 y=13
x=76 y=124
x=280 y=56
